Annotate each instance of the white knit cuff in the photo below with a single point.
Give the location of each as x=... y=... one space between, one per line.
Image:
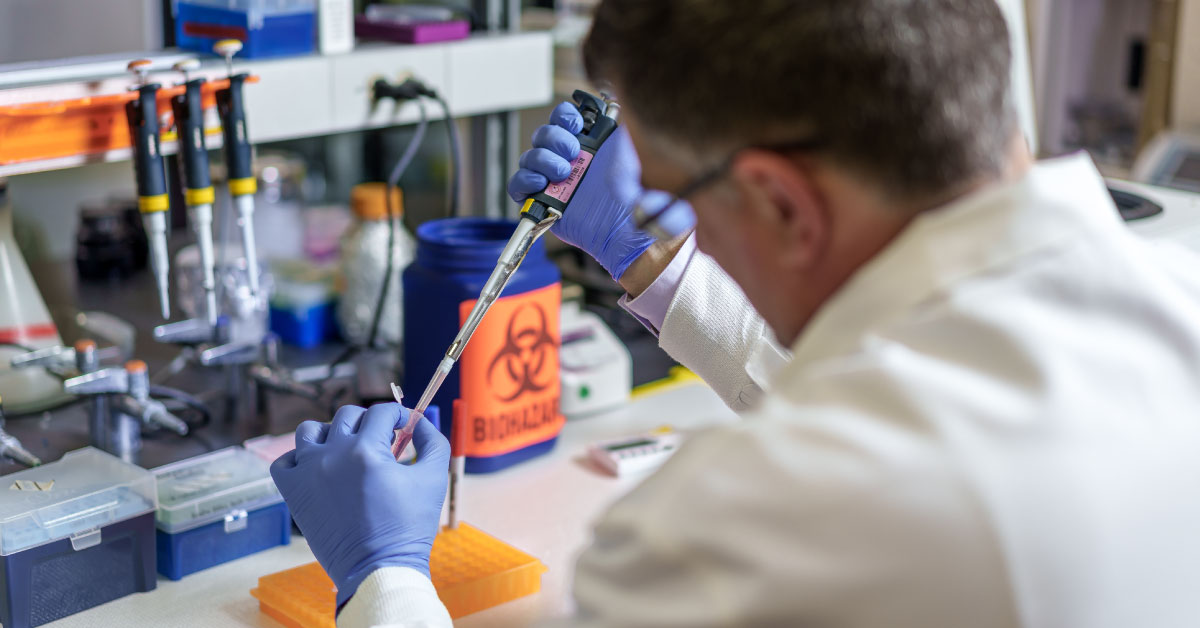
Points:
x=395 y=597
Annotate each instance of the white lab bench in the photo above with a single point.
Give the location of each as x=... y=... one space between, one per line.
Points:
x=545 y=507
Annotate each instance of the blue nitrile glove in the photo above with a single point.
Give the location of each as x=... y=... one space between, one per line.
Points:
x=360 y=509
x=599 y=219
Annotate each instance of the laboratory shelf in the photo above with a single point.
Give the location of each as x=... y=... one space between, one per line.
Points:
x=315 y=95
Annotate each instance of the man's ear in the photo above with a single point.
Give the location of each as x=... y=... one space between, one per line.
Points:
x=784 y=200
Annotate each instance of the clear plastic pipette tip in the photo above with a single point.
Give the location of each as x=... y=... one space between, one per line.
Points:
x=404 y=434
x=245 y=209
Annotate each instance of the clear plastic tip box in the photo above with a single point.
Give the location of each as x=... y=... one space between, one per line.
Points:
x=215 y=508
x=74 y=534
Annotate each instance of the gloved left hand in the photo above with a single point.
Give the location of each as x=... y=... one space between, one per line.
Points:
x=358 y=508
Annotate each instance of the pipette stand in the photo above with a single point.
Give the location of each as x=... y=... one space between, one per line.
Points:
x=129 y=406
x=68 y=362
x=252 y=369
x=305 y=382
x=203 y=345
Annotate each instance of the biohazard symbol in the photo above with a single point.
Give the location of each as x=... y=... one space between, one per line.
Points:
x=523 y=357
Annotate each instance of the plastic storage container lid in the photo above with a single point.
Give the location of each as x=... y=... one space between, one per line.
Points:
x=271 y=447
x=267 y=7
x=207 y=488
x=71 y=498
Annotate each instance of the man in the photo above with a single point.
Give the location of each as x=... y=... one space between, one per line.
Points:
x=988 y=416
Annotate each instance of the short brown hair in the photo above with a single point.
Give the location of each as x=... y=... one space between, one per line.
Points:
x=913 y=93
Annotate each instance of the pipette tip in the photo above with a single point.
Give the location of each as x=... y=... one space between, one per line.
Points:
x=211 y=298
x=12 y=448
x=24 y=457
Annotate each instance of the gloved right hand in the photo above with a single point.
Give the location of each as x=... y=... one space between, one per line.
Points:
x=599 y=219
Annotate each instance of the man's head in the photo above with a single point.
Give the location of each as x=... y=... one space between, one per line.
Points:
x=905 y=104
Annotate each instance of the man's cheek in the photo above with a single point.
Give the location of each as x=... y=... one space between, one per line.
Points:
x=720 y=246
x=707 y=233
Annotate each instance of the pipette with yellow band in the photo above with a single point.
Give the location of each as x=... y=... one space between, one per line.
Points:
x=238 y=156
x=153 y=202
x=198 y=191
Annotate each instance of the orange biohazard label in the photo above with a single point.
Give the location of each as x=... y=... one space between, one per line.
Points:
x=509 y=374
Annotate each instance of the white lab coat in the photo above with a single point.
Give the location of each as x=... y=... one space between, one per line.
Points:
x=993 y=424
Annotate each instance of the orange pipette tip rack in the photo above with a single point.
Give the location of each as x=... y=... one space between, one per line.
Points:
x=303 y=597
x=471 y=571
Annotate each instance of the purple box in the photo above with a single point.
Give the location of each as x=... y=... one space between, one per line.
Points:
x=411 y=32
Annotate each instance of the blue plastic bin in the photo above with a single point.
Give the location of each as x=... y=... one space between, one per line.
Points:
x=454 y=259
x=266 y=29
x=216 y=508
x=74 y=534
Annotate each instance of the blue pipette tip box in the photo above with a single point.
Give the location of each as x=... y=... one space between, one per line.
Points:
x=74 y=534
x=266 y=29
x=216 y=508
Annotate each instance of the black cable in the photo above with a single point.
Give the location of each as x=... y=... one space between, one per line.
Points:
x=393 y=180
x=381 y=302
x=17 y=346
x=186 y=400
x=455 y=154
x=410 y=89
x=344 y=356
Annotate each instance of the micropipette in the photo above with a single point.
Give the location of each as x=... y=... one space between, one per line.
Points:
x=538 y=214
x=242 y=184
x=198 y=192
x=153 y=201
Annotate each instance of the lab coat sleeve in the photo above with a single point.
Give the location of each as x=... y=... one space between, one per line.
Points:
x=395 y=597
x=712 y=329
x=784 y=523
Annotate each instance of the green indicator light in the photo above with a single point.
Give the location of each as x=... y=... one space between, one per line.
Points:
x=584 y=392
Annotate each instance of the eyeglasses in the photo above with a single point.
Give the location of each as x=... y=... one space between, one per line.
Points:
x=657 y=219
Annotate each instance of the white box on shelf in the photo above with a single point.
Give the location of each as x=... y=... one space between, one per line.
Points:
x=335 y=26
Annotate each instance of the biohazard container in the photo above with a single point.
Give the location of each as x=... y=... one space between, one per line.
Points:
x=215 y=508
x=74 y=534
x=508 y=376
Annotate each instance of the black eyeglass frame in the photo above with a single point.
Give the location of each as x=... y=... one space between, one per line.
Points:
x=647 y=221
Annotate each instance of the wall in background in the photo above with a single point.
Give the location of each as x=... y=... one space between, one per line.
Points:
x=1186 y=97
x=1086 y=80
x=46 y=205
x=1022 y=76
x=36 y=30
